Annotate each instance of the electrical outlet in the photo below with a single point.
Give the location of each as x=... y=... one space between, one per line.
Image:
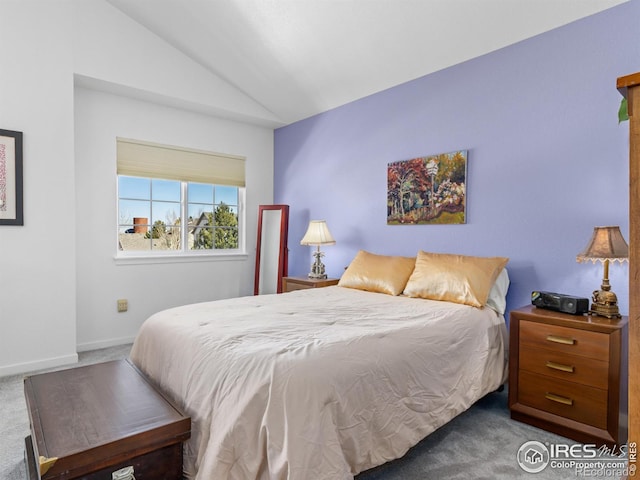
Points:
x=123 y=305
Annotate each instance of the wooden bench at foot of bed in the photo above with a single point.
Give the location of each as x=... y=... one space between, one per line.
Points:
x=89 y=422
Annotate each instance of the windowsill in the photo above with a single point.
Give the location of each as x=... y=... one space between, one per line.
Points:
x=182 y=258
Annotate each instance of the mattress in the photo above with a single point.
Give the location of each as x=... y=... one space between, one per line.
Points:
x=319 y=383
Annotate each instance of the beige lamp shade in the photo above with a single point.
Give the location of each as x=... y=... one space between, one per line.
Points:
x=317 y=234
x=607 y=243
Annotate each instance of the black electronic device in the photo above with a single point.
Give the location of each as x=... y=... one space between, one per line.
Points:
x=560 y=302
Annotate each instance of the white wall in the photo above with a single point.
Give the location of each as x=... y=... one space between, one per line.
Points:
x=100 y=118
x=37 y=260
x=51 y=287
x=111 y=48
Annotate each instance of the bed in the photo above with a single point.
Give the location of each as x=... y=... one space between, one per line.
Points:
x=322 y=383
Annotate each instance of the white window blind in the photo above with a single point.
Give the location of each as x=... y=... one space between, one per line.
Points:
x=145 y=159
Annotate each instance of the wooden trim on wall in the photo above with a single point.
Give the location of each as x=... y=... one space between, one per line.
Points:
x=629 y=86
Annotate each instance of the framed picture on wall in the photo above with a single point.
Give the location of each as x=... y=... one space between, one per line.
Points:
x=11 y=178
x=428 y=190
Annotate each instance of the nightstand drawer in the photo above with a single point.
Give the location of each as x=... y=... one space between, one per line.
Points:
x=291 y=286
x=564 y=339
x=570 y=400
x=564 y=366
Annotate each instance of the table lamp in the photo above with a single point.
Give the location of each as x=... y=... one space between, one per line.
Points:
x=317 y=234
x=606 y=245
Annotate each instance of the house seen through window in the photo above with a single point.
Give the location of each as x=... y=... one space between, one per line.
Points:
x=177 y=200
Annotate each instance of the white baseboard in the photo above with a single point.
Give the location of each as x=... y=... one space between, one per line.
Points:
x=50 y=363
x=21 y=368
x=114 y=342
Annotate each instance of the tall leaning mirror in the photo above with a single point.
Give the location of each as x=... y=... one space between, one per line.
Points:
x=271 y=248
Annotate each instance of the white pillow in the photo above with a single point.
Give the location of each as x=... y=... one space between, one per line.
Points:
x=497 y=299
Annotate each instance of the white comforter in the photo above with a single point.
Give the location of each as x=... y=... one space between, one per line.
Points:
x=320 y=383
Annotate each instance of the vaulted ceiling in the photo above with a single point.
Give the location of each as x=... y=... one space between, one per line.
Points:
x=298 y=58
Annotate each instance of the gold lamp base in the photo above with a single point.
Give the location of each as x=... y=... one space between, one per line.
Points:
x=604 y=303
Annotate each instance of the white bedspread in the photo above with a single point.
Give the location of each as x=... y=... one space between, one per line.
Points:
x=320 y=383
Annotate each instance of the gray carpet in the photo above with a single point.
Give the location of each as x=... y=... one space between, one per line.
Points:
x=481 y=443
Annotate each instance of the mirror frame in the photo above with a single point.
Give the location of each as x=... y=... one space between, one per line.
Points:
x=282 y=252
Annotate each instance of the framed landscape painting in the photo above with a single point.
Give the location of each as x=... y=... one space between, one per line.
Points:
x=428 y=190
x=11 y=178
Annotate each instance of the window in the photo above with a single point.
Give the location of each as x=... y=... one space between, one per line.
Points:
x=177 y=201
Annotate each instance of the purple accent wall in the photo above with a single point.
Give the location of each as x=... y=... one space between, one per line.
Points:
x=547 y=159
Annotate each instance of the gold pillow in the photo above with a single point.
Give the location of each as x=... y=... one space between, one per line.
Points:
x=454 y=278
x=377 y=273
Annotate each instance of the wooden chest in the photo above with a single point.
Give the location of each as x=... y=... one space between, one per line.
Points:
x=89 y=422
x=568 y=374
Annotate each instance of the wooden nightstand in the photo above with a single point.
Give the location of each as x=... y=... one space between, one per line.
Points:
x=568 y=374
x=289 y=284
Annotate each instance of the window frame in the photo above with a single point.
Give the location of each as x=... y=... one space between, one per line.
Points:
x=150 y=160
x=183 y=254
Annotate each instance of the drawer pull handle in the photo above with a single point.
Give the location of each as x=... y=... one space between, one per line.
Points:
x=562 y=340
x=561 y=367
x=559 y=399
